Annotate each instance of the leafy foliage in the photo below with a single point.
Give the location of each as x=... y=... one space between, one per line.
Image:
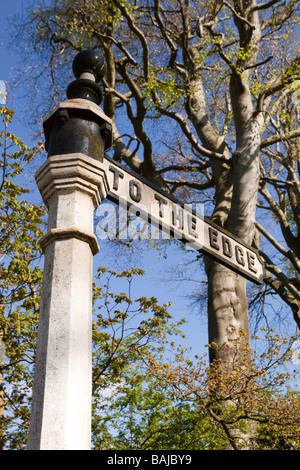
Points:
x=179 y=402
x=21 y=226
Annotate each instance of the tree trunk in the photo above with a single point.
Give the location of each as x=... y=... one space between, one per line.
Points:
x=227 y=300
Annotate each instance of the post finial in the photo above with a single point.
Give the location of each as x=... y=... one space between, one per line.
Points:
x=88 y=68
x=79 y=125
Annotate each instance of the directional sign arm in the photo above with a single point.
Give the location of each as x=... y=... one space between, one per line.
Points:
x=180 y=221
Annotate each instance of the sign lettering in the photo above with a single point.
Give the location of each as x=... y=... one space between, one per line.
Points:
x=180 y=221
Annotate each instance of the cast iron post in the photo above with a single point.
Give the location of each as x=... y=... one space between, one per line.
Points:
x=72 y=183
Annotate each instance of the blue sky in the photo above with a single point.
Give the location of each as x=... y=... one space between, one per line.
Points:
x=8 y=62
x=157 y=268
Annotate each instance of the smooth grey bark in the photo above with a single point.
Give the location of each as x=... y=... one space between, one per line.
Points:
x=227 y=298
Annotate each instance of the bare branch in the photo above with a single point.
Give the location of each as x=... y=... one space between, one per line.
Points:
x=239 y=17
x=164 y=32
x=277 y=210
x=263 y=6
x=139 y=34
x=188 y=133
x=279 y=137
x=271 y=267
x=258 y=64
x=190 y=184
x=185 y=168
x=287 y=253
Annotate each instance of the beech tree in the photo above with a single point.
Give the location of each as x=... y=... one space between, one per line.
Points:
x=218 y=77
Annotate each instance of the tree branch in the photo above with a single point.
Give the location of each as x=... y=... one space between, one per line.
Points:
x=237 y=16
x=190 y=184
x=271 y=267
x=187 y=132
x=139 y=34
x=279 y=137
x=286 y=231
x=263 y=6
x=287 y=253
x=171 y=44
x=185 y=168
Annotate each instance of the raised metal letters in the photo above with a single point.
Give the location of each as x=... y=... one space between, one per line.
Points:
x=180 y=221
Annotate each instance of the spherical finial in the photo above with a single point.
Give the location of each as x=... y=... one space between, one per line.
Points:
x=89 y=61
x=88 y=67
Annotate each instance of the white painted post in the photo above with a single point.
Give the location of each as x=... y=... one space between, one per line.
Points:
x=72 y=183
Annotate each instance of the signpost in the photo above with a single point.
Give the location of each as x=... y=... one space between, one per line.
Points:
x=73 y=181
